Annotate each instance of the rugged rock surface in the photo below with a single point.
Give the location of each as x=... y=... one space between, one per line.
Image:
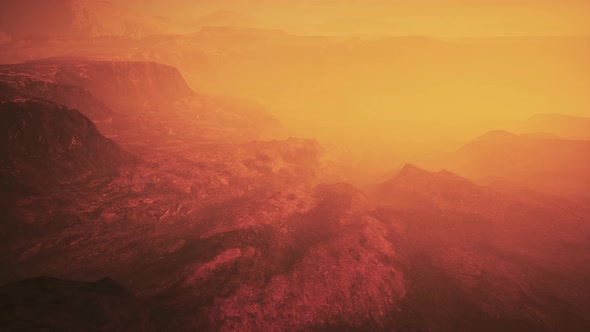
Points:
x=119 y=84
x=253 y=250
x=138 y=103
x=225 y=233
x=75 y=97
x=477 y=259
x=45 y=143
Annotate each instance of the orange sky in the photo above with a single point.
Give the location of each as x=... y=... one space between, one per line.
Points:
x=443 y=18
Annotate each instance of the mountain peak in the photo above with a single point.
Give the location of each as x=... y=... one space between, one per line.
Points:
x=415 y=187
x=412 y=175
x=411 y=169
x=497 y=134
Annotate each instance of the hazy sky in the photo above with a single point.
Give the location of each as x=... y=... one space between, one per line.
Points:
x=421 y=17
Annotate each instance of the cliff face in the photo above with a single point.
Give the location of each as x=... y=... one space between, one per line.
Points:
x=75 y=97
x=116 y=83
x=138 y=102
x=127 y=84
x=42 y=142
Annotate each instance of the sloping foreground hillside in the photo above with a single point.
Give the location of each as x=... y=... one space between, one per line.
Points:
x=43 y=143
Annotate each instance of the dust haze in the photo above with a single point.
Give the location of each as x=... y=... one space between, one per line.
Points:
x=296 y=165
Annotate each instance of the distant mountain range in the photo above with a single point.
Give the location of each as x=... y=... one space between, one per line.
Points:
x=564 y=126
x=548 y=164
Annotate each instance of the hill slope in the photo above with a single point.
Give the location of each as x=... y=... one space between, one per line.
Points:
x=566 y=126
x=550 y=165
x=42 y=142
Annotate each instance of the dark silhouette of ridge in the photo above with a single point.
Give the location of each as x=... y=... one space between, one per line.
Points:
x=52 y=304
x=43 y=143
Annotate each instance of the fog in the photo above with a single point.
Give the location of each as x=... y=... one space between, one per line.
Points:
x=386 y=82
x=308 y=165
x=393 y=81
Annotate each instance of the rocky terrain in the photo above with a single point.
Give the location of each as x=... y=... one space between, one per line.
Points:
x=139 y=103
x=340 y=77
x=44 y=143
x=213 y=230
